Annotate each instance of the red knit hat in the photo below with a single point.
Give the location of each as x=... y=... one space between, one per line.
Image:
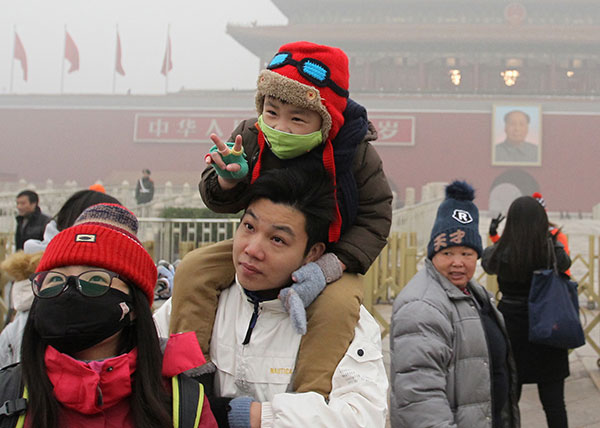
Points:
x=313 y=77
x=104 y=236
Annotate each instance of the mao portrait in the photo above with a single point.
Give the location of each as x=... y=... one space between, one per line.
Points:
x=516 y=135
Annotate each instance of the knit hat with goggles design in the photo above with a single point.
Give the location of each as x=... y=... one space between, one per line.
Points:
x=314 y=77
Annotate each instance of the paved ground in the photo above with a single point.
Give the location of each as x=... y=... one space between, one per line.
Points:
x=582 y=388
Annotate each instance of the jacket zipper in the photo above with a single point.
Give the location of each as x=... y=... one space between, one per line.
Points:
x=252 y=323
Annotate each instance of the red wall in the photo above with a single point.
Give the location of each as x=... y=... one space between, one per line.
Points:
x=87 y=144
x=458 y=145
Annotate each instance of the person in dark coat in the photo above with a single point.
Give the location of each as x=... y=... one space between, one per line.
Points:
x=144 y=189
x=30 y=220
x=522 y=249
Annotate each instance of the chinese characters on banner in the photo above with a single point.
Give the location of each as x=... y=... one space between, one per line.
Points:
x=183 y=127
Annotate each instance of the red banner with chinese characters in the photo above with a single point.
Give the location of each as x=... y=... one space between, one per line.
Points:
x=181 y=127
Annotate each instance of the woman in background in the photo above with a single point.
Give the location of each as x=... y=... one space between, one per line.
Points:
x=524 y=247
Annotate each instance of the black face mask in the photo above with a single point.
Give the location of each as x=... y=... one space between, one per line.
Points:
x=73 y=322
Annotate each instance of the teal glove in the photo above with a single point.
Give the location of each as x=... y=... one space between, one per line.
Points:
x=229 y=159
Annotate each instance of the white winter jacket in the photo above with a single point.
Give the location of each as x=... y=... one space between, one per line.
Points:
x=263 y=368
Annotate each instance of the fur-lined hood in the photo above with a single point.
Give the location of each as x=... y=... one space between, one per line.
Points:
x=20 y=265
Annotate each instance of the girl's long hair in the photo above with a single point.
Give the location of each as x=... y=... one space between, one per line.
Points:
x=150 y=401
x=524 y=241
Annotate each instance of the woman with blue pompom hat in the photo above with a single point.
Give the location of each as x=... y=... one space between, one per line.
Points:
x=451 y=362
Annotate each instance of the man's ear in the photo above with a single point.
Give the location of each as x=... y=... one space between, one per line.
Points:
x=315 y=252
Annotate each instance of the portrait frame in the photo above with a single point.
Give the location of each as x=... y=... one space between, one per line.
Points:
x=503 y=152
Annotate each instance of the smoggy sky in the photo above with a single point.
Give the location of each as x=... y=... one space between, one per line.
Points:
x=203 y=55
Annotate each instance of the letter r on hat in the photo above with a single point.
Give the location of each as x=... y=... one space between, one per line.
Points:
x=462 y=216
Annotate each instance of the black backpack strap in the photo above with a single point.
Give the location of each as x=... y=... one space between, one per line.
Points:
x=188 y=398
x=13 y=397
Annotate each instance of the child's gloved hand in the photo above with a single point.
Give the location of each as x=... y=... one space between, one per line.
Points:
x=228 y=159
x=164 y=282
x=309 y=280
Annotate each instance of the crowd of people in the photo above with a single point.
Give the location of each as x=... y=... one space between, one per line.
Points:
x=268 y=329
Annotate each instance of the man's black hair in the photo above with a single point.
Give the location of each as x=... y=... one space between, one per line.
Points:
x=31 y=195
x=309 y=190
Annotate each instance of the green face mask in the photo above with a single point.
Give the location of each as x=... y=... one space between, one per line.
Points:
x=289 y=146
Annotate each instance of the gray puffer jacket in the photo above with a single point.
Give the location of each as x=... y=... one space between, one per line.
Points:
x=440 y=364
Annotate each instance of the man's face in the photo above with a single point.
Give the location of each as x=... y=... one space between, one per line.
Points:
x=516 y=127
x=289 y=118
x=270 y=244
x=25 y=207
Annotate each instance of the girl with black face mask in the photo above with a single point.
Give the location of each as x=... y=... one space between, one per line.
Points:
x=90 y=354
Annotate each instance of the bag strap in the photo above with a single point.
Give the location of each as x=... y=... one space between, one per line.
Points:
x=552 y=255
x=188 y=399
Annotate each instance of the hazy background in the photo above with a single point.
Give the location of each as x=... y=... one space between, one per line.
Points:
x=203 y=55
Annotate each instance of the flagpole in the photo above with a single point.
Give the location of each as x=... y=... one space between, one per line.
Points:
x=168 y=58
x=62 y=68
x=12 y=60
x=115 y=64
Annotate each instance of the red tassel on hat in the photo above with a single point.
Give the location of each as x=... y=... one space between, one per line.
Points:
x=261 y=146
x=335 y=227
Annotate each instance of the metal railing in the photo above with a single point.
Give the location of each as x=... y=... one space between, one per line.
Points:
x=170 y=239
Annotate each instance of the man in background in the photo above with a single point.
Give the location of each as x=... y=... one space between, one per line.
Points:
x=144 y=190
x=30 y=220
x=514 y=148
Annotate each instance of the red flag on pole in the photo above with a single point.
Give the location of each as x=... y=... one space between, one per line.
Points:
x=167 y=63
x=71 y=53
x=19 y=54
x=118 y=66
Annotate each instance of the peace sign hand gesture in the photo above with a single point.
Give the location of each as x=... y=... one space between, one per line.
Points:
x=228 y=159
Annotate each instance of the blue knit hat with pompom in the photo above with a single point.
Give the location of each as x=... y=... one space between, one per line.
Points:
x=457 y=221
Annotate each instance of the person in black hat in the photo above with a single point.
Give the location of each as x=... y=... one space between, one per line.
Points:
x=450 y=356
x=144 y=190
